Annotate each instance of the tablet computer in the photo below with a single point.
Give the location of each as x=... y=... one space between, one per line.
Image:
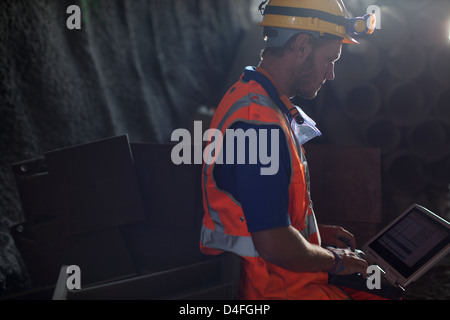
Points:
x=409 y=246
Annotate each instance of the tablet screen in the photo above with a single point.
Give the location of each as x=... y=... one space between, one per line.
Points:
x=411 y=242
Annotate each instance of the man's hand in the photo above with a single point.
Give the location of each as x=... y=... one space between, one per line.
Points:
x=337 y=237
x=351 y=262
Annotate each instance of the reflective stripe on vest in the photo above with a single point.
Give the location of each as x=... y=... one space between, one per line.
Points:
x=240 y=245
x=311 y=226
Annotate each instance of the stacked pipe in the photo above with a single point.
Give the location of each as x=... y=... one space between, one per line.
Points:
x=393 y=92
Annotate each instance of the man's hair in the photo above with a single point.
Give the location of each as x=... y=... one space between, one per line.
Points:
x=281 y=51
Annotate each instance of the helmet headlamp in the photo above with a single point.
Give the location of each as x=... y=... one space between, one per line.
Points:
x=362 y=25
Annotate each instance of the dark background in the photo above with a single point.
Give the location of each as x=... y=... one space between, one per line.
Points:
x=144 y=67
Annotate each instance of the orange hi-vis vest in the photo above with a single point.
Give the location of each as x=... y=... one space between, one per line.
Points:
x=224 y=226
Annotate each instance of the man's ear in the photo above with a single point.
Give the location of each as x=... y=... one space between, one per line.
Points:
x=302 y=47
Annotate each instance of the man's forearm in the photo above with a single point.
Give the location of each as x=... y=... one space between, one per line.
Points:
x=287 y=248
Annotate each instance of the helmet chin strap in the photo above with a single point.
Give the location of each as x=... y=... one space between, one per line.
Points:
x=262 y=6
x=345 y=8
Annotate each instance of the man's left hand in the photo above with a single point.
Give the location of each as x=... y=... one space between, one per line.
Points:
x=337 y=237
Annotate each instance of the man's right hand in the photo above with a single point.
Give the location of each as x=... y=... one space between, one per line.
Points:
x=351 y=262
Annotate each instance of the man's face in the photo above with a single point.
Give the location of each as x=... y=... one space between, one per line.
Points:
x=317 y=68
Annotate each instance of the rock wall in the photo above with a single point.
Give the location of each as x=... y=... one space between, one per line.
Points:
x=136 y=67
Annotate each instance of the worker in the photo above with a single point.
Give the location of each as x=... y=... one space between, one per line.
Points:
x=268 y=219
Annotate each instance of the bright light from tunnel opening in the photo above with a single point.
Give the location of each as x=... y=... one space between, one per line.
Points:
x=448 y=27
